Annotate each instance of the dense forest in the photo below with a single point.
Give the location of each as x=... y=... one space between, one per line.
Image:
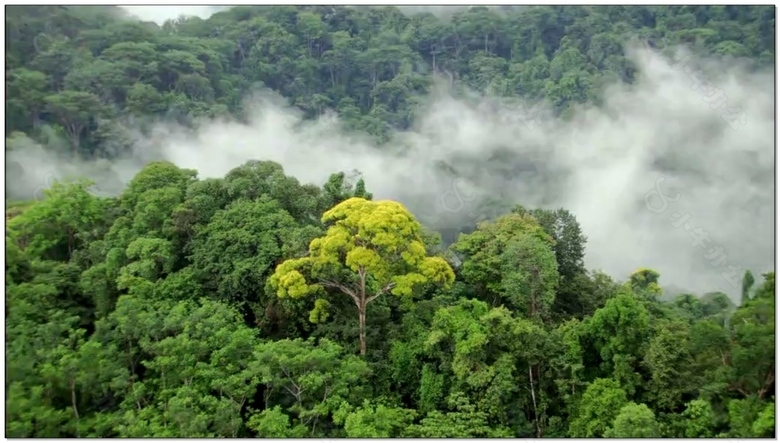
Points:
x=254 y=305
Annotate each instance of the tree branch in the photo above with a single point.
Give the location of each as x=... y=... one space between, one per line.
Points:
x=388 y=287
x=340 y=287
x=770 y=378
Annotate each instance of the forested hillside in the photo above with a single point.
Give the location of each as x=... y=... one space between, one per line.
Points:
x=83 y=70
x=255 y=305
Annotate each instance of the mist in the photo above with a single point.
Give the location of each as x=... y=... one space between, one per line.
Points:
x=606 y=165
x=160 y=14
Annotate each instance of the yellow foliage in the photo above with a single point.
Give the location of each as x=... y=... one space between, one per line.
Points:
x=320 y=312
x=379 y=239
x=289 y=282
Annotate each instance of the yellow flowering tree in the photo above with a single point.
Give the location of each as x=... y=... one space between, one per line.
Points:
x=370 y=249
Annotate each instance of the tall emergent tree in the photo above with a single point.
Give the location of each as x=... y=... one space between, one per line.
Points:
x=370 y=249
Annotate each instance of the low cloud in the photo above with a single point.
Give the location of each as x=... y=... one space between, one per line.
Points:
x=604 y=164
x=159 y=14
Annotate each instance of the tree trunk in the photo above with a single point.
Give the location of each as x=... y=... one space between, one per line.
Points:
x=362 y=322
x=533 y=397
x=71 y=242
x=74 y=130
x=362 y=302
x=241 y=51
x=36 y=118
x=74 y=404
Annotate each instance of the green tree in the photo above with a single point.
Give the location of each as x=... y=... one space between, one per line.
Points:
x=599 y=408
x=310 y=380
x=485 y=262
x=634 y=421
x=28 y=90
x=75 y=110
